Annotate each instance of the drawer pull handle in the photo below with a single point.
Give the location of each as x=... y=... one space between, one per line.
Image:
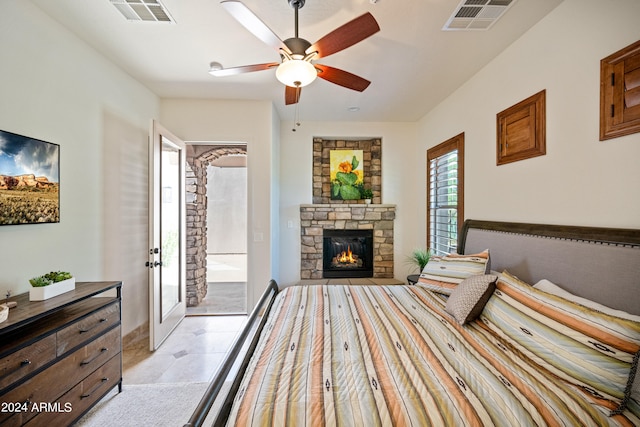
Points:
x=93 y=390
x=82 y=331
x=25 y=362
x=88 y=361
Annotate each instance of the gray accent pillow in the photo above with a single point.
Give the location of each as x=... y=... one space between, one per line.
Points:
x=469 y=298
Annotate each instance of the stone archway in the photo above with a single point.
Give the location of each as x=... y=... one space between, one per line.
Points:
x=198 y=159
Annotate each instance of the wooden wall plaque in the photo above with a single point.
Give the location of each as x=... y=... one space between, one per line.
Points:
x=620 y=93
x=521 y=130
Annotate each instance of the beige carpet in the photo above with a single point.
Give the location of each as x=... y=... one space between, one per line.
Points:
x=157 y=405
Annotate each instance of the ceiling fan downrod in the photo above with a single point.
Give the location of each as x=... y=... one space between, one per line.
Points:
x=296 y=5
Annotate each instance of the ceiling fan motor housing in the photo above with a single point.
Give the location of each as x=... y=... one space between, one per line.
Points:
x=297 y=46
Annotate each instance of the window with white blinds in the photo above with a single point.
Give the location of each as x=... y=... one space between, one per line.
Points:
x=445 y=196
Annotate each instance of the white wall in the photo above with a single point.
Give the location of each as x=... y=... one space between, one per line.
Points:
x=56 y=88
x=225 y=120
x=400 y=185
x=275 y=195
x=580 y=180
x=226 y=210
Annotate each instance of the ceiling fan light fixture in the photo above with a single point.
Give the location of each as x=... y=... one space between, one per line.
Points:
x=296 y=72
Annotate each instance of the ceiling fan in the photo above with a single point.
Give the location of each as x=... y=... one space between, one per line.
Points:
x=296 y=68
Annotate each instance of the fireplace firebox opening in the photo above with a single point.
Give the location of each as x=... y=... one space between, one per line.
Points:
x=347 y=253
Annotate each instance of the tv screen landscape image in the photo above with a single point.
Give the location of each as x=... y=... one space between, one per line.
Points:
x=29 y=180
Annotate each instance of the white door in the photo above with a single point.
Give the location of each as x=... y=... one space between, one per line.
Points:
x=167 y=219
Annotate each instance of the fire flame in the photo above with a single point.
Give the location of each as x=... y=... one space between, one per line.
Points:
x=346 y=257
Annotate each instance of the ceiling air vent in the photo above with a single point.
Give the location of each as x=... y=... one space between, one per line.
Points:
x=143 y=10
x=477 y=14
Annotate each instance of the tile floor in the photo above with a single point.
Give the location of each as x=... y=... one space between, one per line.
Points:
x=229 y=298
x=192 y=353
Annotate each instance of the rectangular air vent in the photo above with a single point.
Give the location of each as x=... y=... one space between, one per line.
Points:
x=143 y=10
x=477 y=14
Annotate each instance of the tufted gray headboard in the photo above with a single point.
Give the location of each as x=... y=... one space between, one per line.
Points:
x=601 y=264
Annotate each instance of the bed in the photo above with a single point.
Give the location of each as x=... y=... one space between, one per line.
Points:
x=488 y=336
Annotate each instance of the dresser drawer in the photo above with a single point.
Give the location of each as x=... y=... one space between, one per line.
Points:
x=49 y=385
x=87 y=328
x=15 y=421
x=17 y=365
x=75 y=367
x=90 y=357
x=80 y=398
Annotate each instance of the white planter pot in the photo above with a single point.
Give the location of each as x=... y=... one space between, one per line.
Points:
x=4 y=313
x=45 y=292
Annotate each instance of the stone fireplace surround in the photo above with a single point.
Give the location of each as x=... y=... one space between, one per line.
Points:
x=316 y=217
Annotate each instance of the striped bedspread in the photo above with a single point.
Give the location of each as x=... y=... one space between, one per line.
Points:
x=390 y=356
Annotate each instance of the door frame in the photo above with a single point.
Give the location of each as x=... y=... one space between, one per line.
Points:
x=161 y=326
x=203 y=154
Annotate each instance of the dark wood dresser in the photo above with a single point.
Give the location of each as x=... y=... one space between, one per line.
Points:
x=60 y=356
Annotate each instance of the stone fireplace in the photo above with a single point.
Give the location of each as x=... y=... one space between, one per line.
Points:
x=316 y=218
x=326 y=215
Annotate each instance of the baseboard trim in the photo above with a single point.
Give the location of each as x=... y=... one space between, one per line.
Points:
x=137 y=338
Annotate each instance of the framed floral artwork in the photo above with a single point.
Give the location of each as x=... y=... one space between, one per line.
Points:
x=346 y=174
x=371 y=167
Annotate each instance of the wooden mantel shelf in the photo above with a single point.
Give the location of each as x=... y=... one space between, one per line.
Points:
x=347 y=205
x=30 y=311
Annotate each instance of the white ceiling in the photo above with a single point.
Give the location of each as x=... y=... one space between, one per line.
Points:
x=411 y=62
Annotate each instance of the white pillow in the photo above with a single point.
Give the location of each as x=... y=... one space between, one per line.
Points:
x=552 y=288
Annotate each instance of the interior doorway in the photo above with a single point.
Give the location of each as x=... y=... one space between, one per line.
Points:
x=216 y=229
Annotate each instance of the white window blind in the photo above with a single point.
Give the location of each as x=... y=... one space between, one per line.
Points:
x=443 y=203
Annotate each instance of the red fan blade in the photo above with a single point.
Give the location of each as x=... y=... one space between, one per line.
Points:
x=291 y=95
x=342 y=78
x=243 y=69
x=253 y=24
x=349 y=34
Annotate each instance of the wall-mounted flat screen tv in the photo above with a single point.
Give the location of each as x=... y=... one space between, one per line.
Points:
x=29 y=180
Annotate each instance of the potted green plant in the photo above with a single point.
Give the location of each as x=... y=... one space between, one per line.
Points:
x=419 y=257
x=367 y=195
x=50 y=285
